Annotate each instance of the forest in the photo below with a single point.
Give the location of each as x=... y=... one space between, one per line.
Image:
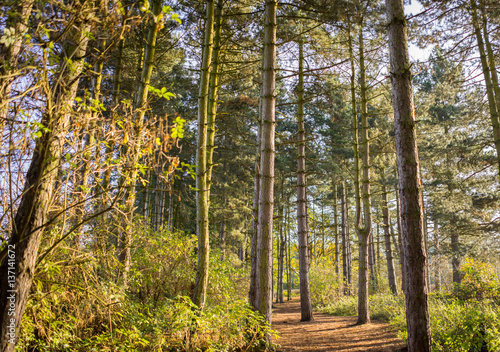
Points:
x=175 y=175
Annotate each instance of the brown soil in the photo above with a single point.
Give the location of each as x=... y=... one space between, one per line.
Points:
x=330 y=333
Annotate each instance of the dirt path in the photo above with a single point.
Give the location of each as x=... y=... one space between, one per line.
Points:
x=330 y=333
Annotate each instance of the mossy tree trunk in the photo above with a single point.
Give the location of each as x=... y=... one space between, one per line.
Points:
x=202 y=230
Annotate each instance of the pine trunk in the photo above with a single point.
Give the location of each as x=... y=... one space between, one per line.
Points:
x=346 y=245
x=302 y=228
x=267 y=152
x=412 y=222
x=200 y=288
x=391 y=274
x=487 y=72
x=336 y=233
x=365 y=234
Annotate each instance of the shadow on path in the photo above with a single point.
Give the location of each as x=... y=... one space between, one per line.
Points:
x=330 y=333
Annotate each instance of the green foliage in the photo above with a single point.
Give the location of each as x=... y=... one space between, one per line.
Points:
x=479 y=281
x=323 y=282
x=456 y=325
x=75 y=306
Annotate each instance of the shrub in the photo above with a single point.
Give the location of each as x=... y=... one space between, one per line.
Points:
x=324 y=283
x=75 y=307
x=479 y=281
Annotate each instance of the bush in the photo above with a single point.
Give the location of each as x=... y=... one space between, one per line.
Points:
x=456 y=325
x=324 y=283
x=74 y=307
x=479 y=281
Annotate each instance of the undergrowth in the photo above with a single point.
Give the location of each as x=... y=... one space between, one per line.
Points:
x=75 y=304
x=464 y=320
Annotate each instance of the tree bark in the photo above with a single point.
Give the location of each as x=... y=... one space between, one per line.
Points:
x=252 y=293
x=336 y=233
x=213 y=94
x=18 y=267
x=455 y=258
x=437 y=275
x=302 y=228
x=200 y=288
x=365 y=233
x=400 y=245
x=266 y=195
x=487 y=70
x=417 y=305
x=391 y=274
x=346 y=243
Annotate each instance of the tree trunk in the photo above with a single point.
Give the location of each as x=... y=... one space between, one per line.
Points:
x=266 y=196
x=400 y=245
x=391 y=274
x=417 y=305
x=200 y=288
x=222 y=239
x=355 y=143
x=487 y=70
x=213 y=94
x=437 y=275
x=346 y=245
x=455 y=258
x=302 y=228
x=365 y=234
x=281 y=243
x=336 y=233
x=252 y=293
x=18 y=267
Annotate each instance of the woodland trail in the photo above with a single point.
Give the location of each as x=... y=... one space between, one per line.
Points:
x=329 y=333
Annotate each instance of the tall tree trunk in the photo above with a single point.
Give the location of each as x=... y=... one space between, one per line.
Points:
x=355 y=143
x=400 y=244
x=391 y=274
x=302 y=228
x=336 y=233
x=200 y=288
x=491 y=60
x=213 y=94
x=365 y=233
x=267 y=152
x=437 y=275
x=281 y=243
x=346 y=243
x=412 y=213
x=487 y=71
x=18 y=267
x=455 y=258
x=252 y=293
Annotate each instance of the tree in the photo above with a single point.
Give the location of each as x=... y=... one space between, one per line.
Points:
x=31 y=216
x=302 y=223
x=412 y=214
x=267 y=152
x=202 y=201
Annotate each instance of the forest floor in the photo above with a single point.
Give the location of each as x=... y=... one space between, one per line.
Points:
x=330 y=333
